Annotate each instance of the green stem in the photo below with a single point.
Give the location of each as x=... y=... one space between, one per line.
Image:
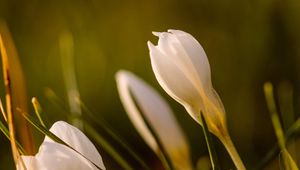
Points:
x=5 y=131
x=210 y=145
x=269 y=95
x=227 y=142
x=121 y=161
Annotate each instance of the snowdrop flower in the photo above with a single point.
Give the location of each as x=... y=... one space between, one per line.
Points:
x=139 y=98
x=182 y=69
x=55 y=156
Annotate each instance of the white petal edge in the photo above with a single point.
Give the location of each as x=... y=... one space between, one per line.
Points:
x=55 y=156
x=77 y=140
x=160 y=116
x=133 y=113
x=197 y=56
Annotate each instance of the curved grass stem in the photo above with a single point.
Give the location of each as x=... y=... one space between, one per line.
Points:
x=105 y=144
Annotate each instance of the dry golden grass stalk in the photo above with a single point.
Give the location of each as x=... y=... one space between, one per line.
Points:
x=8 y=102
x=2 y=111
x=16 y=96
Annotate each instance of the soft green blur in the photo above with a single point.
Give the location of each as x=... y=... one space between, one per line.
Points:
x=247 y=43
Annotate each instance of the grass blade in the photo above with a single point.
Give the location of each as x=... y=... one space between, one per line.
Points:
x=288 y=160
x=8 y=97
x=106 y=146
x=210 y=146
x=66 y=44
x=5 y=131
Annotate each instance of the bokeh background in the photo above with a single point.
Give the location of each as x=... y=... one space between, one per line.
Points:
x=247 y=43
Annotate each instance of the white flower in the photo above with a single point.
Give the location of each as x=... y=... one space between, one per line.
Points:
x=142 y=102
x=182 y=69
x=55 y=156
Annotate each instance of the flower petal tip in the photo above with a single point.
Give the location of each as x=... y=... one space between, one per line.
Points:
x=150 y=45
x=121 y=75
x=60 y=124
x=156 y=33
x=171 y=30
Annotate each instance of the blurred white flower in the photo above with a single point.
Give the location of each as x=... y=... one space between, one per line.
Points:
x=139 y=98
x=55 y=156
x=182 y=69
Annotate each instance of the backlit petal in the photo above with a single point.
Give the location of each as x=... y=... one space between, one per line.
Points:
x=160 y=116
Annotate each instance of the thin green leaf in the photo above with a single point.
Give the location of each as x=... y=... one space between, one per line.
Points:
x=288 y=160
x=210 y=146
x=106 y=146
x=5 y=131
x=268 y=89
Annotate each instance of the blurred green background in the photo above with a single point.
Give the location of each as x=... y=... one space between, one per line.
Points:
x=247 y=43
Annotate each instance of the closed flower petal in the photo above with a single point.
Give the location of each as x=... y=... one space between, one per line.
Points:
x=55 y=156
x=182 y=69
x=139 y=98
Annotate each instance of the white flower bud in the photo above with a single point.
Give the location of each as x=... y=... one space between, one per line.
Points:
x=182 y=69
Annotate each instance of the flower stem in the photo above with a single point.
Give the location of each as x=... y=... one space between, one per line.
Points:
x=227 y=142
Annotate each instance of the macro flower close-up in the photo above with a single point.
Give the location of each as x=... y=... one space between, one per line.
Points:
x=149 y=85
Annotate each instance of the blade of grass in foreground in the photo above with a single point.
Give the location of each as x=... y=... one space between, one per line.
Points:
x=210 y=146
x=288 y=160
x=52 y=136
x=106 y=146
x=5 y=131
